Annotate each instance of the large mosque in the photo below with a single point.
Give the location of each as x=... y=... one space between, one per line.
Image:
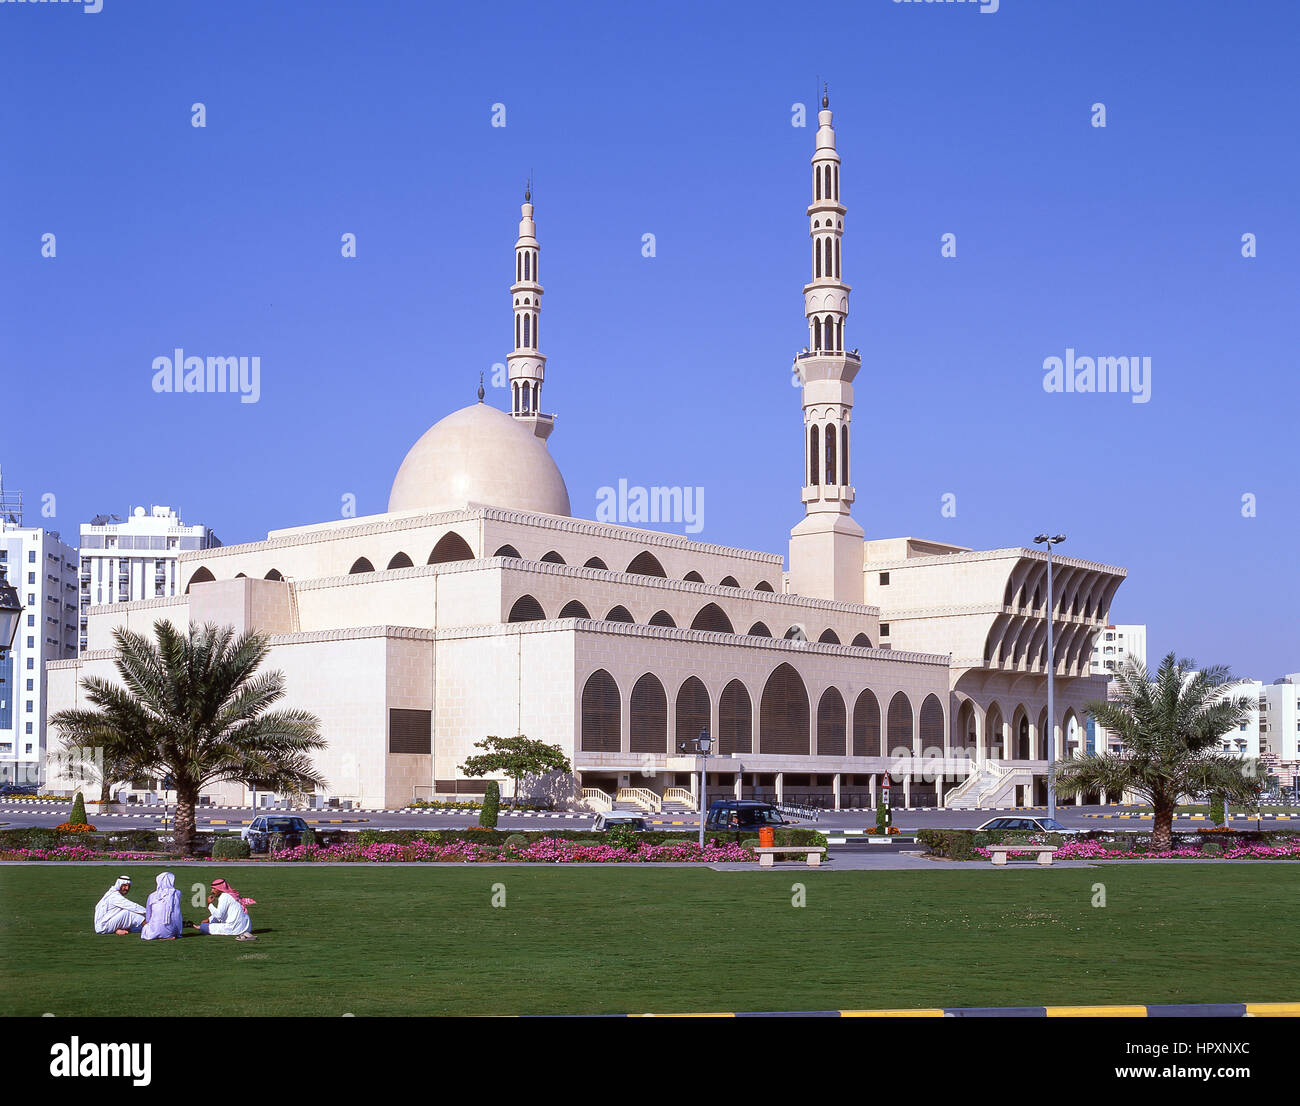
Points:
x=477 y=604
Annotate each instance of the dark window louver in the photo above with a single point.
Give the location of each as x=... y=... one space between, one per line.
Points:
x=831 y=724
x=692 y=712
x=783 y=714
x=600 y=714
x=649 y=721
x=410 y=731
x=735 y=719
x=866 y=726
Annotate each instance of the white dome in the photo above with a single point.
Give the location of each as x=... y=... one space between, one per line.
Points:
x=479 y=455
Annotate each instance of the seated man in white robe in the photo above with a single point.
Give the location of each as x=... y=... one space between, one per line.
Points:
x=115 y=913
x=227 y=913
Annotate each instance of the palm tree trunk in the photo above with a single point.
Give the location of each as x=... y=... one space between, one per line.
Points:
x=186 y=829
x=1162 y=831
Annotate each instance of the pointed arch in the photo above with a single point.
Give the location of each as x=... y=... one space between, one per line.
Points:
x=553 y=558
x=361 y=564
x=728 y=582
x=763 y=585
x=796 y=633
x=830 y=454
x=596 y=562
x=759 y=629
x=867 y=738
x=830 y=724
x=899 y=725
x=619 y=614
x=814 y=449
x=400 y=560
x=649 y=716
x=829 y=637
x=450 y=547
x=694 y=577
x=202 y=575
x=861 y=641
x=507 y=551
x=783 y=721
x=241 y=575
x=646 y=563
x=693 y=711
x=735 y=720
x=662 y=618
x=714 y=619
x=574 y=609
x=526 y=609
x=601 y=714
x=274 y=574
x=932 y=726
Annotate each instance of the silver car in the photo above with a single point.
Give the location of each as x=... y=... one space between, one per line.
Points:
x=1029 y=823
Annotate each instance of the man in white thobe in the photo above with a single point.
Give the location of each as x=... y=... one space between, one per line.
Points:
x=115 y=913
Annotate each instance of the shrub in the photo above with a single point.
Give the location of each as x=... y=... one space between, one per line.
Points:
x=487 y=817
x=230 y=848
x=309 y=836
x=78 y=817
x=516 y=841
x=749 y=843
x=883 y=818
x=276 y=843
x=953 y=844
x=623 y=837
x=1212 y=848
x=1217 y=812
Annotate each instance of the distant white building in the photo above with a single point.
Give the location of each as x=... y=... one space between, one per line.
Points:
x=133 y=560
x=43 y=569
x=1115 y=645
x=1279 y=727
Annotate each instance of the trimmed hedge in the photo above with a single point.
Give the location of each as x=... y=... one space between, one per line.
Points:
x=230 y=848
x=487 y=816
x=785 y=835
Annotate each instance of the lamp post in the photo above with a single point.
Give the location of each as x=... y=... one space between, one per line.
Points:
x=703 y=745
x=1043 y=539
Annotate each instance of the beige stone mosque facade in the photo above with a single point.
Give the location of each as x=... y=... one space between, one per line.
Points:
x=477 y=604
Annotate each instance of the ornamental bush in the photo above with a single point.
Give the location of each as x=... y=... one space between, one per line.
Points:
x=487 y=816
x=230 y=848
x=1217 y=812
x=78 y=817
x=516 y=841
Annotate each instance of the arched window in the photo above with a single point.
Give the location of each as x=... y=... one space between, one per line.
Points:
x=817 y=257
x=400 y=560
x=759 y=629
x=662 y=618
x=836 y=192
x=596 y=562
x=537 y=338
x=837 y=259
x=783 y=714
x=694 y=577
x=862 y=641
x=451 y=547
x=827 y=189
x=900 y=725
x=619 y=614
x=528 y=266
x=692 y=712
x=241 y=575
x=552 y=558
x=817 y=333
x=528 y=322
x=829 y=637
x=931 y=725
x=844 y=455
x=762 y=585
x=646 y=564
x=712 y=617
x=828 y=331
x=830 y=454
x=817 y=183
x=814 y=448
x=519 y=272
x=866 y=726
x=574 y=609
x=536 y=259
x=601 y=714
x=526 y=609
x=507 y=551
x=649 y=716
x=728 y=582
x=202 y=575
x=361 y=565
x=735 y=720
x=795 y=633
x=517 y=345
x=831 y=724
x=274 y=574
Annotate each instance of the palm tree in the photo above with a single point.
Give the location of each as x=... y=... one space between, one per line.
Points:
x=192 y=707
x=1170 y=724
x=95 y=765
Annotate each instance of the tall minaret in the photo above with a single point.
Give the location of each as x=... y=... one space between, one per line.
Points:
x=826 y=550
x=527 y=366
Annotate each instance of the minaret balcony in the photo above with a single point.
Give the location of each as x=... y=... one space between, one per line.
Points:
x=829 y=493
x=848 y=354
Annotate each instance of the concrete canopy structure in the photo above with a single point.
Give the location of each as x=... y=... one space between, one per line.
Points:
x=477 y=605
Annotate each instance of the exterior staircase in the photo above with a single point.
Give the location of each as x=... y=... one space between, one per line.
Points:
x=991 y=785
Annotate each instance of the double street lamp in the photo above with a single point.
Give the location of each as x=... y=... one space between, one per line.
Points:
x=703 y=746
x=1043 y=539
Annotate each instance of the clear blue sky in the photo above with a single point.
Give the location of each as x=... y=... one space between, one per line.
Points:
x=674 y=119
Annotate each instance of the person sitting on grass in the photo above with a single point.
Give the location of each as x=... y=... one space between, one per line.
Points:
x=162 y=911
x=115 y=913
x=228 y=914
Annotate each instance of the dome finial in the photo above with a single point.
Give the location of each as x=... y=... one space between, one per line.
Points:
x=826 y=99
x=481 y=393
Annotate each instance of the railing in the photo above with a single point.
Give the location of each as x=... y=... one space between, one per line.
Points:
x=595 y=799
x=798 y=811
x=966 y=787
x=679 y=795
x=642 y=796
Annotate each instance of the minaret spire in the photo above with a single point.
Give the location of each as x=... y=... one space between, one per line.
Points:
x=826 y=551
x=526 y=364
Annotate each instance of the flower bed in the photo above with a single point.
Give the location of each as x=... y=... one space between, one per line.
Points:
x=1102 y=850
x=72 y=852
x=547 y=850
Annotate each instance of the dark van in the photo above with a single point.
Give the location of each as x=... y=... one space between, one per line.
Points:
x=742 y=814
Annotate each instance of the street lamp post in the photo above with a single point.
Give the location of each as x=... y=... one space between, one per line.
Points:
x=1043 y=539
x=703 y=746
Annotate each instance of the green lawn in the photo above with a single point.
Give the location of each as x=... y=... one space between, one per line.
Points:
x=425 y=940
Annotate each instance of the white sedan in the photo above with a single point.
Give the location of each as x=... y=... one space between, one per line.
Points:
x=1031 y=824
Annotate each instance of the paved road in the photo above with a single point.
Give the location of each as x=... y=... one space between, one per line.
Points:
x=16 y=814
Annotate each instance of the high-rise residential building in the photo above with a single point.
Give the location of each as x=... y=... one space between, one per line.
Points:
x=127 y=561
x=43 y=570
x=1115 y=645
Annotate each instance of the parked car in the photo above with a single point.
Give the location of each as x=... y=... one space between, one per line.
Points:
x=740 y=814
x=258 y=832
x=1032 y=824
x=17 y=789
x=609 y=819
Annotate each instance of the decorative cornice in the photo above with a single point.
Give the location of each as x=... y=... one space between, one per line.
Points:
x=137 y=604
x=993 y=555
